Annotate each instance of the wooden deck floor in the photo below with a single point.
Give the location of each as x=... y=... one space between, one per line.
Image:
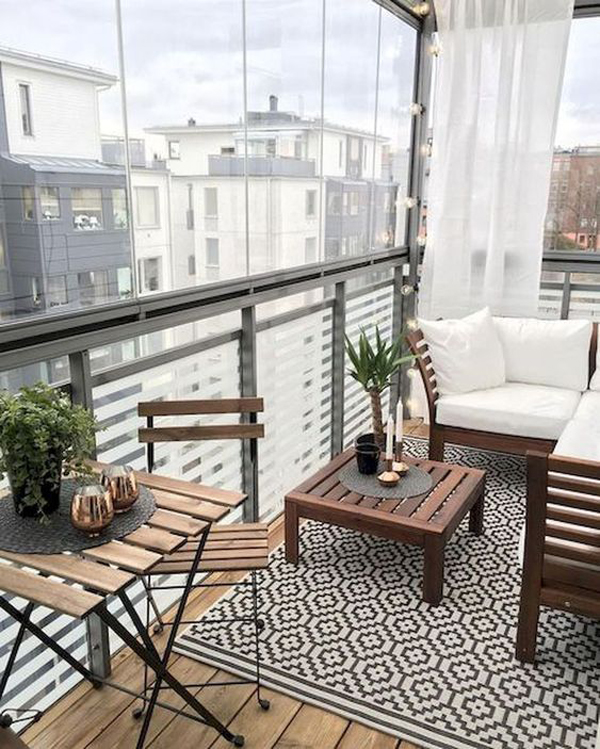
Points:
x=102 y=719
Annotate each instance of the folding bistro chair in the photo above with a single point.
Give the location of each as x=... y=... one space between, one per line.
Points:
x=240 y=547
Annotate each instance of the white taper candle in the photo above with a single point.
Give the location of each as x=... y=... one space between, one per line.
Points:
x=399 y=425
x=389 y=447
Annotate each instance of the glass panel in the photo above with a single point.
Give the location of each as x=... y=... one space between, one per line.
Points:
x=28 y=197
x=147 y=211
x=50 y=203
x=294 y=377
x=364 y=312
x=551 y=295
x=573 y=218
x=87 y=208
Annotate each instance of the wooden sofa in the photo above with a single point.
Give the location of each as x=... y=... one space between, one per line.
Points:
x=561 y=560
x=440 y=433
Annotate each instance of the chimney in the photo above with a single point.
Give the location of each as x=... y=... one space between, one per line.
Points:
x=273 y=102
x=191 y=122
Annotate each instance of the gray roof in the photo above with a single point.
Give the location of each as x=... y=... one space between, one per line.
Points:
x=64 y=164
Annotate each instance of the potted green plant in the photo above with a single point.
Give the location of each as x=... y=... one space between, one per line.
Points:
x=373 y=367
x=43 y=436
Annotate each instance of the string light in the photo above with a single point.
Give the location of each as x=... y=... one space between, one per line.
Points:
x=415 y=109
x=411 y=405
x=407 y=289
x=435 y=50
x=421 y=240
x=426 y=149
x=412 y=373
x=410 y=202
x=412 y=324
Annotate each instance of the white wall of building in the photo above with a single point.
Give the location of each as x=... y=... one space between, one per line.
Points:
x=64 y=113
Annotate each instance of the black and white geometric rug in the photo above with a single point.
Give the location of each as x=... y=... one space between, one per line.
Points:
x=347 y=630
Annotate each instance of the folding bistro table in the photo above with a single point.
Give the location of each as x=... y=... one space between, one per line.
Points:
x=179 y=538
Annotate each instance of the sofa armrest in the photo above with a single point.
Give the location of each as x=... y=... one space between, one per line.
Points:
x=418 y=347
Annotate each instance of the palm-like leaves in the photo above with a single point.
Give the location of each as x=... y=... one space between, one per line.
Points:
x=374 y=366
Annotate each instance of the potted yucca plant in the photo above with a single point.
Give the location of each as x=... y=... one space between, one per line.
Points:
x=43 y=436
x=373 y=366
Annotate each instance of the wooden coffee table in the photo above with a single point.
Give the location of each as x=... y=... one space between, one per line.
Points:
x=426 y=520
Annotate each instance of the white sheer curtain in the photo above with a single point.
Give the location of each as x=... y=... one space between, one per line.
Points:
x=498 y=89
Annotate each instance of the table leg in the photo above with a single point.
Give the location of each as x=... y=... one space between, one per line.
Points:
x=291 y=532
x=476 y=515
x=433 y=573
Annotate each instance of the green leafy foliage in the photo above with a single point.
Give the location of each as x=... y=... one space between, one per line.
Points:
x=373 y=366
x=42 y=433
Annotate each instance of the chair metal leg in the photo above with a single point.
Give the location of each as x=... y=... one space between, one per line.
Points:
x=258 y=627
x=15 y=648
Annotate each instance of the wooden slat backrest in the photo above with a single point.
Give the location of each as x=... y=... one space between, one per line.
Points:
x=196 y=407
x=563 y=508
x=57 y=596
x=418 y=347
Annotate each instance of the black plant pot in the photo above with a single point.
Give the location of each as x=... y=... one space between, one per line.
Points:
x=368 y=438
x=50 y=489
x=367 y=457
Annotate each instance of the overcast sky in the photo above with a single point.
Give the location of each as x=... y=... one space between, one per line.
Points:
x=184 y=59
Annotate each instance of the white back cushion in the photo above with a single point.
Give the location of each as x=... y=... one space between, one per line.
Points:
x=546 y=352
x=466 y=353
x=595 y=381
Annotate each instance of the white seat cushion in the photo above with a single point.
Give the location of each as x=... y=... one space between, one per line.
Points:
x=580 y=439
x=546 y=352
x=595 y=381
x=513 y=408
x=466 y=353
x=589 y=407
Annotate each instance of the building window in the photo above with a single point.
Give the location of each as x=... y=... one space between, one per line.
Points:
x=341 y=154
x=25 y=105
x=87 y=208
x=190 y=208
x=191 y=265
x=212 y=252
x=149 y=274
x=147 y=213
x=93 y=286
x=36 y=291
x=271 y=147
x=28 y=198
x=50 y=203
x=119 y=208
x=227 y=151
x=310 y=250
x=57 y=291
x=211 y=204
x=298 y=147
x=311 y=202
x=124 y=282
x=174 y=152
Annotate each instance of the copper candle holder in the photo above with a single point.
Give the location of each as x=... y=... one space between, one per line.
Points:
x=120 y=481
x=389 y=477
x=91 y=509
x=399 y=466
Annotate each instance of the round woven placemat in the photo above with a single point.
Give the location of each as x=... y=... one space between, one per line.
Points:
x=28 y=536
x=415 y=482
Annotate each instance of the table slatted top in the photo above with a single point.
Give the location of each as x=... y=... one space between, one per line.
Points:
x=442 y=506
x=165 y=544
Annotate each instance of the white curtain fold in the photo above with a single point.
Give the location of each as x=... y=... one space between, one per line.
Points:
x=498 y=91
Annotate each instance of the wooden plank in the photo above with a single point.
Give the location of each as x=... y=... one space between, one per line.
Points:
x=212 y=565
x=313 y=727
x=325 y=486
x=440 y=494
x=361 y=736
x=9 y=740
x=569 y=550
x=130 y=558
x=579 y=502
x=195 y=407
x=195 y=508
x=574 y=517
x=338 y=492
x=588 y=468
x=570 y=572
x=576 y=533
x=410 y=504
x=453 y=511
x=209 y=432
x=154 y=539
x=56 y=596
x=572 y=484
x=225 y=497
x=177 y=523
x=255 y=543
x=72 y=567
x=229 y=527
x=574 y=600
x=188 y=556
x=370 y=501
x=352 y=498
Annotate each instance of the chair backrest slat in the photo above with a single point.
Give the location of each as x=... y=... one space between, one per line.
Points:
x=210 y=432
x=196 y=407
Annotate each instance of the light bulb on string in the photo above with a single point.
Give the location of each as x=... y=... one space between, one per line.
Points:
x=422 y=240
x=415 y=109
x=410 y=202
x=407 y=289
